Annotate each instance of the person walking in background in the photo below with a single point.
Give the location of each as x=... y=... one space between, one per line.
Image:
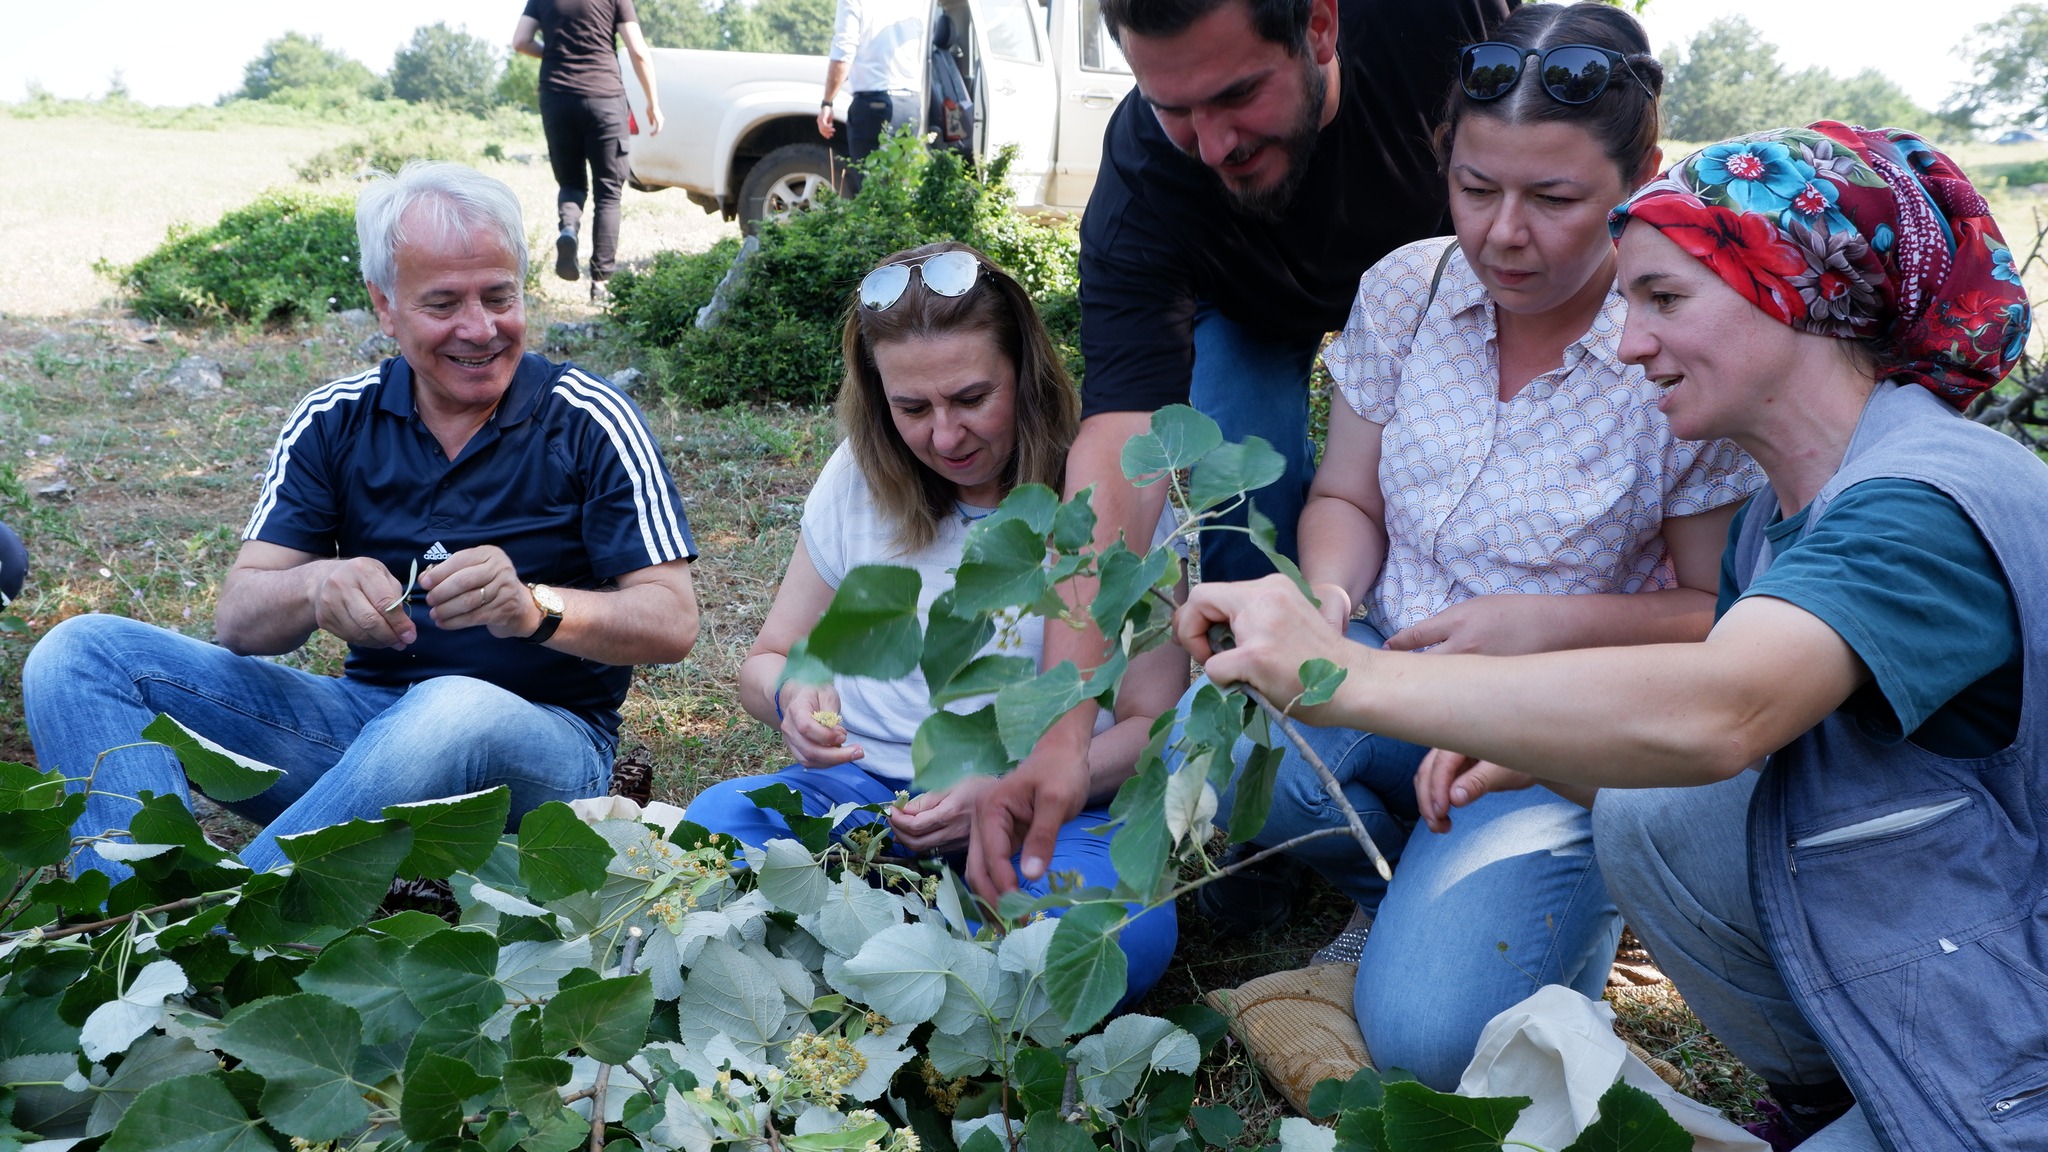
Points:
x=583 y=111
x=881 y=45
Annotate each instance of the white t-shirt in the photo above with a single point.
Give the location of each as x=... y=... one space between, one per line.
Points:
x=1562 y=489
x=885 y=40
x=842 y=530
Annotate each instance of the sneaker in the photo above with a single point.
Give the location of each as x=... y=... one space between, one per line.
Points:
x=565 y=254
x=1254 y=900
x=1349 y=944
x=599 y=294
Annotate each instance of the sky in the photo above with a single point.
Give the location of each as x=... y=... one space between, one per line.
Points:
x=192 y=53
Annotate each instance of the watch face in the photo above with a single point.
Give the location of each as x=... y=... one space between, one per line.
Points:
x=548 y=599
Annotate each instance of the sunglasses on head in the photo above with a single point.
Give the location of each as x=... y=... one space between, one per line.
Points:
x=944 y=273
x=1571 y=73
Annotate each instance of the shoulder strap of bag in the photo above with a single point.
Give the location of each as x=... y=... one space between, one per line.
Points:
x=1435 y=281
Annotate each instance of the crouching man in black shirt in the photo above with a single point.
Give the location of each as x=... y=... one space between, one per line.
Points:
x=1270 y=153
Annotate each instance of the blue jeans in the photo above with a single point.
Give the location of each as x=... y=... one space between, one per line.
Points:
x=1475 y=920
x=347 y=749
x=1255 y=386
x=1147 y=941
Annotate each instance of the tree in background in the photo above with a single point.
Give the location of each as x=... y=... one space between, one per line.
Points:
x=680 y=24
x=519 y=84
x=799 y=26
x=2010 y=62
x=298 y=69
x=447 y=67
x=1729 y=81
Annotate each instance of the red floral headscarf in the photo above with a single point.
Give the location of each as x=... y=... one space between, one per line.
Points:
x=1851 y=232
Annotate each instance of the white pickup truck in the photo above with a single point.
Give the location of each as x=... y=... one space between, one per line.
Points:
x=741 y=134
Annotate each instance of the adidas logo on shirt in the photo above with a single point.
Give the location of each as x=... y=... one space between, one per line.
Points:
x=436 y=554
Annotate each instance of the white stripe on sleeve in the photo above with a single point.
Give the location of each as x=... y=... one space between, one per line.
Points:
x=321 y=399
x=660 y=530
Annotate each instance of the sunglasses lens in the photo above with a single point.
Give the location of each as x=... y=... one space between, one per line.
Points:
x=1487 y=71
x=950 y=273
x=884 y=286
x=1575 y=75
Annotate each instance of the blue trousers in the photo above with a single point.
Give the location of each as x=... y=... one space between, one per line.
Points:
x=1147 y=941
x=1677 y=861
x=347 y=749
x=1255 y=386
x=1475 y=920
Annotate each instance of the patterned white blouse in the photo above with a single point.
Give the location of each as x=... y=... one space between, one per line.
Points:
x=1562 y=489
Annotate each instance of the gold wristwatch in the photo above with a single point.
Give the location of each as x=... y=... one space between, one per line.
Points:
x=549 y=602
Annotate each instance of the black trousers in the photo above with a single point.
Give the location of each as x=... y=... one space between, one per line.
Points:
x=587 y=148
x=871 y=112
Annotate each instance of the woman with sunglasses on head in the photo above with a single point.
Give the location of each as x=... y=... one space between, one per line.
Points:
x=954 y=395
x=1826 y=821
x=1497 y=480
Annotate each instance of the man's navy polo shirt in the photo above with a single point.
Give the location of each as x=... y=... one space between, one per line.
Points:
x=565 y=477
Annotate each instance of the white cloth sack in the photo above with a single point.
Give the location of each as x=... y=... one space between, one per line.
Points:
x=1559 y=1049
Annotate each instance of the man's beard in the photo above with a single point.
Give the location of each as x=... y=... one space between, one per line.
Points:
x=1272 y=201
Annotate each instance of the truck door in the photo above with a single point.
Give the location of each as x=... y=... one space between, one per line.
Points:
x=1017 y=99
x=1093 y=79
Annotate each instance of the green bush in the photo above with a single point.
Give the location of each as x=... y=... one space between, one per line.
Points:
x=386 y=149
x=779 y=336
x=288 y=253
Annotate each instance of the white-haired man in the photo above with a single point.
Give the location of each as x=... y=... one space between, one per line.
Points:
x=549 y=539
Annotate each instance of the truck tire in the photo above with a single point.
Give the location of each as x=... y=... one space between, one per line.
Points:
x=784 y=181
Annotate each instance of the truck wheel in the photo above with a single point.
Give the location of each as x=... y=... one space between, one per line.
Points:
x=784 y=181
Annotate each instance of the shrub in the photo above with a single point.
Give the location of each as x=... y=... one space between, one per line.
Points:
x=448 y=67
x=386 y=149
x=779 y=338
x=290 y=252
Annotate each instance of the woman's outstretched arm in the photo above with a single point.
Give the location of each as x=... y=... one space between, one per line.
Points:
x=1654 y=715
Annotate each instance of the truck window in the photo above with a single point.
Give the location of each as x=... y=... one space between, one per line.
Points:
x=1099 y=52
x=1011 y=30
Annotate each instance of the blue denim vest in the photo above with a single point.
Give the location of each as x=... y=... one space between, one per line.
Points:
x=1905 y=895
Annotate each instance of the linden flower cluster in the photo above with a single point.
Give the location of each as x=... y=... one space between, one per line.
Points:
x=822 y=1067
x=690 y=873
x=890 y=1140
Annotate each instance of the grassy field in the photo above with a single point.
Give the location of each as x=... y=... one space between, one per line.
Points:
x=132 y=496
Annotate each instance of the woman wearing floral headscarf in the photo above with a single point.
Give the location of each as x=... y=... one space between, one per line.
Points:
x=1838 y=846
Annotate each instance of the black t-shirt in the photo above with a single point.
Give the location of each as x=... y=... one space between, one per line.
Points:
x=578 y=56
x=1160 y=234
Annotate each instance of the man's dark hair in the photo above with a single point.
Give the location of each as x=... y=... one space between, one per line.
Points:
x=1284 y=22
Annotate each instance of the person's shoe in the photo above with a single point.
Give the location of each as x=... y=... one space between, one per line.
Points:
x=1349 y=944
x=565 y=254
x=1254 y=900
x=599 y=294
